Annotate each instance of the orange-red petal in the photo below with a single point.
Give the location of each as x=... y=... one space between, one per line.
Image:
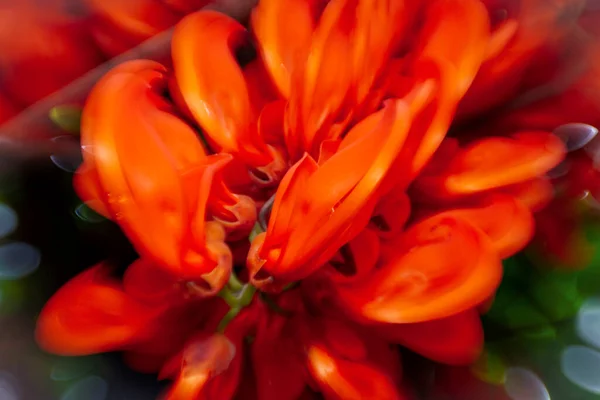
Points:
x=91 y=314
x=494 y=162
x=339 y=378
x=427 y=278
x=214 y=88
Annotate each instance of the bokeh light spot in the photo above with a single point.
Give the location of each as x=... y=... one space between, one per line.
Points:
x=581 y=365
x=86 y=214
x=588 y=322
x=71 y=159
x=523 y=384
x=576 y=135
x=8 y=387
x=18 y=260
x=560 y=170
x=8 y=220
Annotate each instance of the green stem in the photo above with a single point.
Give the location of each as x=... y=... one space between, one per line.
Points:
x=228 y=296
x=234 y=283
x=237 y=296
x=246 y=295
x=231 y=314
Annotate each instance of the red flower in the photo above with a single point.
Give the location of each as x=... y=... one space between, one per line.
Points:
x=374 y=225
x=31 y=68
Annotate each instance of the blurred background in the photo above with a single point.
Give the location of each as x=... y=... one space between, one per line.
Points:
x=542 y=333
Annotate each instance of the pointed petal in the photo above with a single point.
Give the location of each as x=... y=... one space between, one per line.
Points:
x=287 y=202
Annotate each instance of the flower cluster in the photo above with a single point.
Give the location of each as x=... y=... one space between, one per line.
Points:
x=299 y=201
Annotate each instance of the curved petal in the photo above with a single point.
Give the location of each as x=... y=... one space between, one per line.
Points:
x=91 y=314
x=144 y=155
x=427 y=278
x=214 y=87
x=455 y=340
x=495 y=162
